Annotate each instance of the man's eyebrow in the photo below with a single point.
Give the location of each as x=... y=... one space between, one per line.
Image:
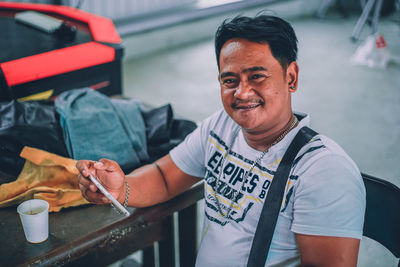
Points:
x=226 y=74
x=252 y=69
x=256 y=68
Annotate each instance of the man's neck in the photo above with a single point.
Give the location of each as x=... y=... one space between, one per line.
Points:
x=264 y=140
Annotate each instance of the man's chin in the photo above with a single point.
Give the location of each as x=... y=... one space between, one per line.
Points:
x=246 y=122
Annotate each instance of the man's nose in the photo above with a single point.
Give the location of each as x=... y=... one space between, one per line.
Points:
x=244 y=90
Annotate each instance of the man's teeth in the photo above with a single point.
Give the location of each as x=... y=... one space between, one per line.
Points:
x=249 y=106
x=252 y=106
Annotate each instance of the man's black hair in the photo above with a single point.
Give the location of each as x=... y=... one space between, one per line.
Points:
x=272 y=30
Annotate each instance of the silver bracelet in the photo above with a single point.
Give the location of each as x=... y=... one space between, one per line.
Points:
x=126 y=195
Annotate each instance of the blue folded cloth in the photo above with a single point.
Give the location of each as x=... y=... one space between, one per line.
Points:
x=130 y=115
x=95 y=127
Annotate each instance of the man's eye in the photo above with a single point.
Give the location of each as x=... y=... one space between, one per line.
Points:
x=228 y=81
x=257 y=76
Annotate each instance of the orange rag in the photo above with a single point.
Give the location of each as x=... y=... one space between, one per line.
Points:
x=44 y=176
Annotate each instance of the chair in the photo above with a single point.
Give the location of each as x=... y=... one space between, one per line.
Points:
x=367 y=9
x=382 y=215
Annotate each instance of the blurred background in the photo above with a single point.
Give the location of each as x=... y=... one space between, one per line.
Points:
x=169 y=58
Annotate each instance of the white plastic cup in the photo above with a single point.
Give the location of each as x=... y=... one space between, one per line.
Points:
x=34 y=216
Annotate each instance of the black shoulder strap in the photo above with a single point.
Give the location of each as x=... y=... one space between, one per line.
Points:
x=272 y=204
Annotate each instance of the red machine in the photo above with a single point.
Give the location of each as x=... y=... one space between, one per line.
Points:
x=33 y=62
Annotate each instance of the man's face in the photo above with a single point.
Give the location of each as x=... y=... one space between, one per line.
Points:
x=255 y=89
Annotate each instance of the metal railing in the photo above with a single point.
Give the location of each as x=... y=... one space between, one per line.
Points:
x=118 y=9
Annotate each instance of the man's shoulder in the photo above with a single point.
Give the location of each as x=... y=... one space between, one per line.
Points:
x=323 y=157
x=322 y=146
x=218 y=121
x=219 y=116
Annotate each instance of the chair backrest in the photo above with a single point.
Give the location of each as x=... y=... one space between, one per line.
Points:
x=382 y=215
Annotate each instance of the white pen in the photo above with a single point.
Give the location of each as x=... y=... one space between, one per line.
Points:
x=109 y=196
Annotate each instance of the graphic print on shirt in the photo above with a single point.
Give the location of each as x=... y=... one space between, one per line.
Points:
x=230 y=185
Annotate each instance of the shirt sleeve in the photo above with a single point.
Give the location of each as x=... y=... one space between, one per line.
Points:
x=329 y=199
x=189 y=155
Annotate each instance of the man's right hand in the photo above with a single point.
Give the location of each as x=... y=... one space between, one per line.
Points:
x=107 y=172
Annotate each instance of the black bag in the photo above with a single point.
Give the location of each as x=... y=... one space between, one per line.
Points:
x=36 y=124
x=31 y=123
x=163 y=131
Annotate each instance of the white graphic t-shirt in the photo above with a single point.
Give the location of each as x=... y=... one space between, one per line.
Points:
x=325 y=194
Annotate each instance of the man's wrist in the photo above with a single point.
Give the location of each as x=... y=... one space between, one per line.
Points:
x=126 y=200
x=123 y=197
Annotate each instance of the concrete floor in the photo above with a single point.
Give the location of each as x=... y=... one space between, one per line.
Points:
x=355 y=105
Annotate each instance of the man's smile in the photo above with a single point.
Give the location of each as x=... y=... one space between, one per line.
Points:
x=247 y=105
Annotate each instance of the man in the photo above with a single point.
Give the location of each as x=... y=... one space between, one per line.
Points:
x=237 y=151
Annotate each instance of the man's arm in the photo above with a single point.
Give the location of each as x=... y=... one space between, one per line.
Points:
x=148 y=185
x=151 y=184
x=326 y=251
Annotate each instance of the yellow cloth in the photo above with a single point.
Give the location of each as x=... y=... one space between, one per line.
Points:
x=44 y=176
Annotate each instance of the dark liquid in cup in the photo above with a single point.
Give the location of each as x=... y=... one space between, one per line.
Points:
x=34 y=211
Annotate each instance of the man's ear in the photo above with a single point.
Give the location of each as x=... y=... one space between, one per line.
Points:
x=292 y=74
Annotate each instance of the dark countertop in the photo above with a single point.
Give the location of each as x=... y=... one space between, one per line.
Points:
x=95 y=234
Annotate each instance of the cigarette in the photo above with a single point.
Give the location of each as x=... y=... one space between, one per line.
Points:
x=109 y=196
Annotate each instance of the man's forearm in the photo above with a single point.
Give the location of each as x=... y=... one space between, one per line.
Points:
x=146 y=187
x=155 y=183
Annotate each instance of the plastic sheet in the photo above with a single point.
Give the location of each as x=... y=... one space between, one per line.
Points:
x=31 y=123
x=372 y=52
